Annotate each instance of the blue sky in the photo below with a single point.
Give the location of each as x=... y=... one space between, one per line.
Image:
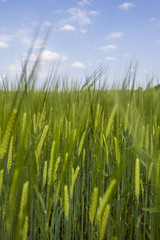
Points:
x=84 y=34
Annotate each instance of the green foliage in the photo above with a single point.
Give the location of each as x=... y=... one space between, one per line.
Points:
x=79 y=164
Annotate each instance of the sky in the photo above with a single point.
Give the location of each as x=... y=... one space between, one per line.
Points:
x=83 y=34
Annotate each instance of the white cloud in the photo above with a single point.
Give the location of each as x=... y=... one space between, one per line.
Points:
x=80 y=16
x=77 y=18
x=49 y=55
x=23 y=35
x=111 y=58
x=126 y=5
x=84 y=2
x=145 y=72
x=115 y=35
x=15 y=68
x=64 y=58
x=6 y=37
x=108 y=48
x=132 y=70
x=158 y=41
x=45 y=62
x=46 y=55
x=48 y=23
x=3 y=0
x=84 y=31
x=78 y=65
x=68 y=28
x=3 y=45
x=127 y=55
x=94 y=13
x=58 y=11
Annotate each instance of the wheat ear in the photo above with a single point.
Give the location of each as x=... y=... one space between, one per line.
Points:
x=23 y=203
x=25 y=229
x=126 y=118
x=44 y=174
x=81 y=143
x=12 y=199
x=117 y=150
x=7 y=134
x=10 y=155
x=93 y=204
x=66 y=201
x=1 y=180
x=104 y=220
x=110 y=121
x=40 y=144
x=105 y=198
x=51 y=163
x=97 y=117
x=150 y=171
x=137 y=178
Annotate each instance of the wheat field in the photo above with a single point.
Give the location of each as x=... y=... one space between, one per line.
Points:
x=79 y=163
